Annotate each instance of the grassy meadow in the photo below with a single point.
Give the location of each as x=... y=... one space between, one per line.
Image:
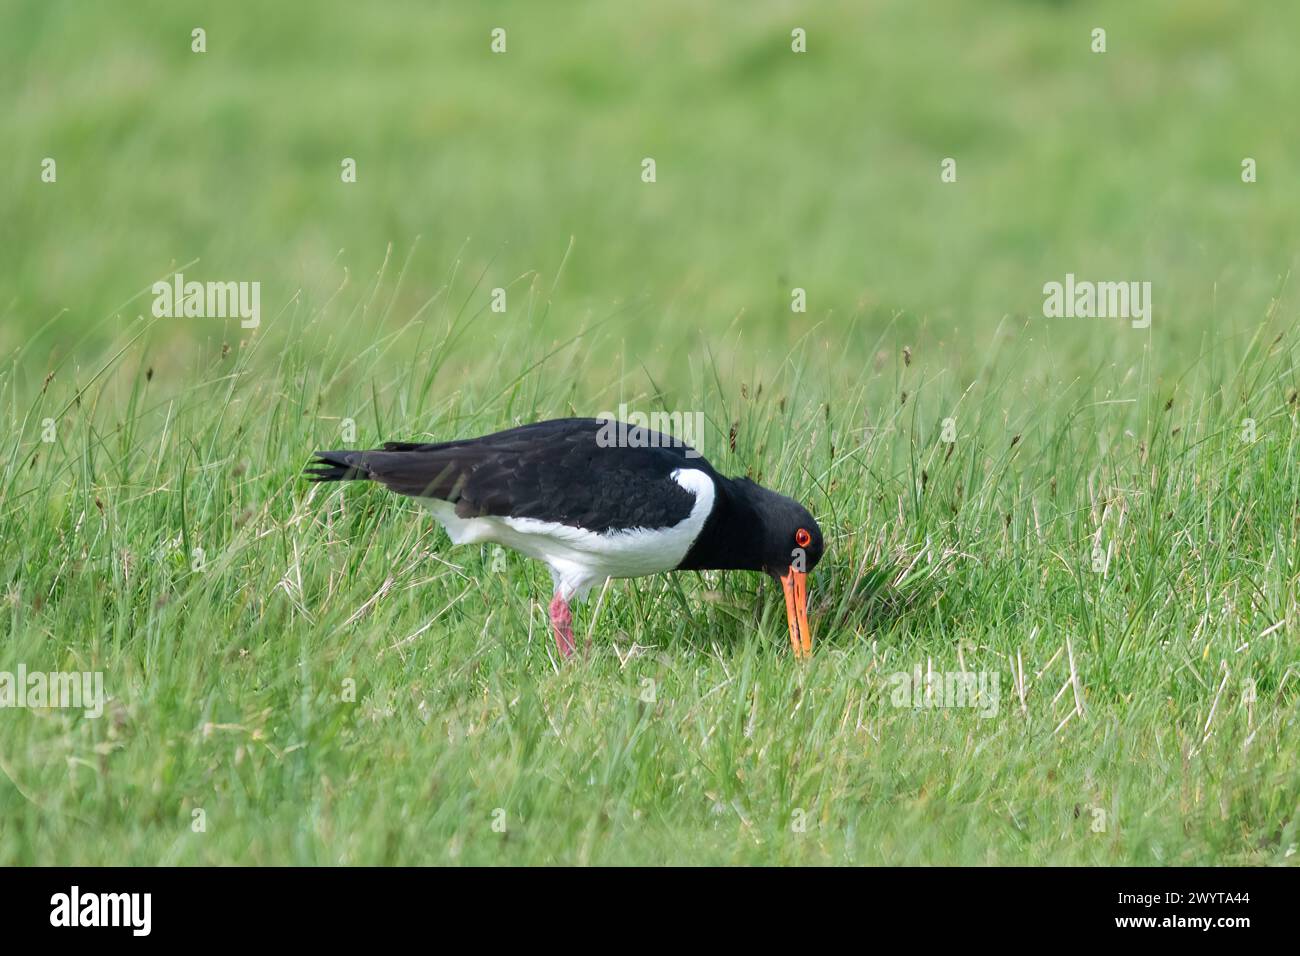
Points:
x=1102 y=519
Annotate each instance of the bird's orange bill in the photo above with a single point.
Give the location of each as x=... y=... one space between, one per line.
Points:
x=795 y=585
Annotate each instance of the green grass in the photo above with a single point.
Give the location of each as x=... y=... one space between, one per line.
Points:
x=1161 y=691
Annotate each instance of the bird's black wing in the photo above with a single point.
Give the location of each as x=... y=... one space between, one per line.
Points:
x=566 y=470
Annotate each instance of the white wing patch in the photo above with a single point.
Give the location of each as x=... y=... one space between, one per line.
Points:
x=578 y=558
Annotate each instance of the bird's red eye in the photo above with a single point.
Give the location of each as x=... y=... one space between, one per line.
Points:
x=802 y=537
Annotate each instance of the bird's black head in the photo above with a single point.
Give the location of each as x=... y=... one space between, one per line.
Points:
x=789 y=537
x=789 y=546
x=752 y=528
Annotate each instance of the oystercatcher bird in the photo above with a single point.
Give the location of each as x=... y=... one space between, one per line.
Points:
x=595 y=502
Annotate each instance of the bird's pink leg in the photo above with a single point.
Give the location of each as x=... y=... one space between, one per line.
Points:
x=562 y=623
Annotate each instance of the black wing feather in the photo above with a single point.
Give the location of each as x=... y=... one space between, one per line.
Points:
x=550 y=471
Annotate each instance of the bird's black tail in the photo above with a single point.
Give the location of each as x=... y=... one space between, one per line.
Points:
x=337 y=466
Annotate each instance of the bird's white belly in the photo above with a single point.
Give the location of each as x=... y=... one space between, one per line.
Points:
x=579 y=558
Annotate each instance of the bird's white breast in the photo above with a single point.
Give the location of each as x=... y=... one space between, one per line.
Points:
x=579 y=558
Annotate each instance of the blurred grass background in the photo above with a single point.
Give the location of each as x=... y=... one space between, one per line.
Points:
x=775 y=170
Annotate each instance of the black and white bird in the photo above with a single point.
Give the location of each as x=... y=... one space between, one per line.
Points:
x=593 y=508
